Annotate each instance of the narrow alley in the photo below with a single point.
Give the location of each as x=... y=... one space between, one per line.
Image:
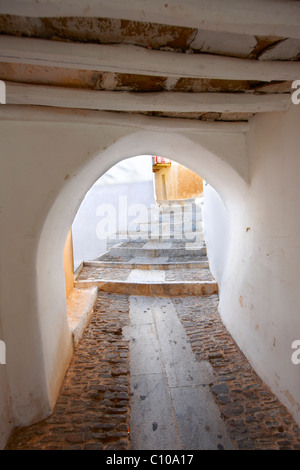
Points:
x=156 y=368
x=96 y=399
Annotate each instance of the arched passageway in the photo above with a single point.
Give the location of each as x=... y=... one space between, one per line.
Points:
x=158 y=256
x=83 y=148
x=184 y=149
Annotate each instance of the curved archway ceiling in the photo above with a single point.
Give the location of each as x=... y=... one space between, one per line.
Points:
x=242 y=73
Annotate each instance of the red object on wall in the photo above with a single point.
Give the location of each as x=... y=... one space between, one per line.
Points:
x=157 y=160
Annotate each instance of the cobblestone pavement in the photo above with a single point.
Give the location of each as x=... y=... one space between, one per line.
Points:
x=93 y=409
x=254 y=416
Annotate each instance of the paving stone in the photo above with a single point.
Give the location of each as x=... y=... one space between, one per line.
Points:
x=220 y=388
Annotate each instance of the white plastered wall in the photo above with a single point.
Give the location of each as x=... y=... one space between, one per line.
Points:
x=259 y=274
x=48 y=163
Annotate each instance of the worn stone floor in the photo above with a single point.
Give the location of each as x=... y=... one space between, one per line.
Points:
x=94 y=406
x=92 y=410
x=172 y=406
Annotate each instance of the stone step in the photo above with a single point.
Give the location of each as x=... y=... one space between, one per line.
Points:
x=167 y=225
x=140 y=237
x=177 y=217
x=148 y=264
x=180 y=281
x=188 y=281
x=187 y=209
x=187 y=219
x=156 y=230
x=152 y=288
x=161 y=228
x=181 y=202
x=155 y=257
x=144 y=259
x=154 y=250
x=97 y=272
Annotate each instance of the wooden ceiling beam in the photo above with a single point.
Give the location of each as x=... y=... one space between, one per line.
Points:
x=167 y=101
x=121 y=58
x=254 y=17
x=88 y=117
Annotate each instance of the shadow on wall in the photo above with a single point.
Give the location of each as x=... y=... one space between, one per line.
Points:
x=216 y=231
x=104 y=209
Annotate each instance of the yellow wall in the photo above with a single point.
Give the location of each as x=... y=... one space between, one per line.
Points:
x=179 y=182
x=69 y=264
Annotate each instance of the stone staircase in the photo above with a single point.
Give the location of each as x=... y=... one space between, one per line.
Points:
x=164 y=256
x=177 y=220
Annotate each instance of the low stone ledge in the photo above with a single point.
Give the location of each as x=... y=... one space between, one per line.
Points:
x=80 y=306
x=151 y=288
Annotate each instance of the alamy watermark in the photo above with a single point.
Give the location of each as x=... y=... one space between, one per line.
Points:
x=2 y=92
x=2 y=352
x=296 y=354
x=296 y=93
x=135 y=221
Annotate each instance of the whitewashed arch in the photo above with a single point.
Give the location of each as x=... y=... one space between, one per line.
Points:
x=64 y=155
x=184 y=149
